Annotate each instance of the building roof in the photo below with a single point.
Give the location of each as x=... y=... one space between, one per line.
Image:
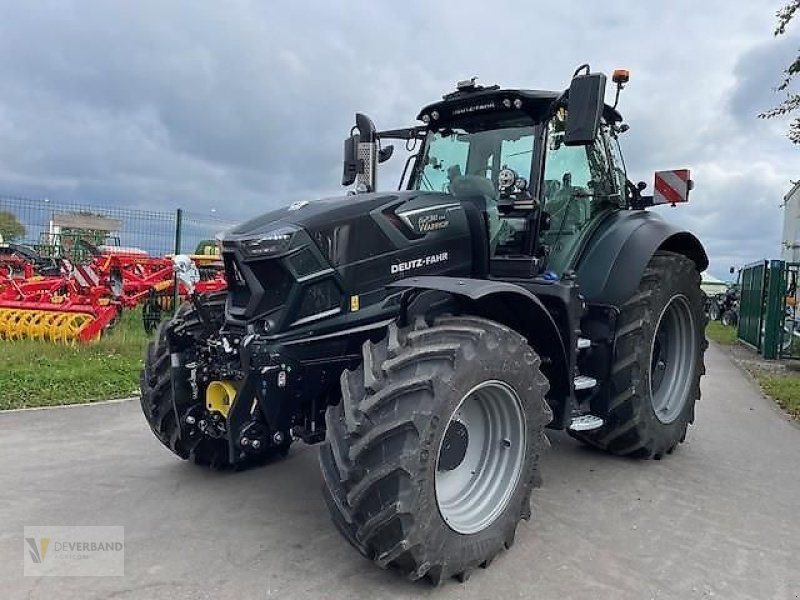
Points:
x=709 y=278
x=793 y=191
x=711 y=285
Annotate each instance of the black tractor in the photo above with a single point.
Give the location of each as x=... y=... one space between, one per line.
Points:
x=724 y=306
x=428 y=336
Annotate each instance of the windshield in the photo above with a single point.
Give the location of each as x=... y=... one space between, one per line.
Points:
x=454 y=158
x=467 y=163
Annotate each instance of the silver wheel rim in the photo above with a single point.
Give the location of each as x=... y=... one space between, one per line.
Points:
x=480 y=457
x=672 y=359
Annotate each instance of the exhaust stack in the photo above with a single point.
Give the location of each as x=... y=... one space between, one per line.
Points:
x=361 y=156
x=367 y=177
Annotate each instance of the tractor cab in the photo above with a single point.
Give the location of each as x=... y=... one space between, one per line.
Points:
x=544 y=167
x=541 y=176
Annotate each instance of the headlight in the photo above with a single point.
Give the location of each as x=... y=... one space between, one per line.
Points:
x=271 y=243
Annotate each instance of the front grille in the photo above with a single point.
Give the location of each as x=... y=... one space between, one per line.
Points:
x=238 y=293
x=345 y=243
x=256 y=288
x=320 y=297
x=275 y=281
x=305 y=262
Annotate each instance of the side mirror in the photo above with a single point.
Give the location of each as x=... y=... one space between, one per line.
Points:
x=385 y=154
x=584 y=108
x=731 y=271
x=350 y=163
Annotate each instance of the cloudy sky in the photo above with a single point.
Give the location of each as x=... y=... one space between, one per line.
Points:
x=242 y=106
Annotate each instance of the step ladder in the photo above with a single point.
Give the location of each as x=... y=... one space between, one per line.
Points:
x=581 y=383
x=584 y=382
x=586 y=423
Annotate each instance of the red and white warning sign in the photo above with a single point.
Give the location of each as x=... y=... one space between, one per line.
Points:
x=672 y=187
x=85 y=276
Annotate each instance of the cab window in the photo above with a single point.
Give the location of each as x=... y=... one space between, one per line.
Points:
x=578 y=185
x=617 y=164
x=450 y=154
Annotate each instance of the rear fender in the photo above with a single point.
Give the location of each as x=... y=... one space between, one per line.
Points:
x=612 y=263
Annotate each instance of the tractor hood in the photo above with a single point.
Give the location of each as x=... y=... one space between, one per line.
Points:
x=337 y=248
x=323 y=213
x=359 y=228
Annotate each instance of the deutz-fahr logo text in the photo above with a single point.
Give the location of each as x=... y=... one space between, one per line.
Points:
x=473 y=108
x=418 y=263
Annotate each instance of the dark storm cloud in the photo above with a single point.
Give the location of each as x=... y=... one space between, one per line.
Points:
x=172 y=97
x=758 y=72
x=243 y=105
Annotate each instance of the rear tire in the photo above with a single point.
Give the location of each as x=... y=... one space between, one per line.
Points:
x=398 y=443
x=644 y=418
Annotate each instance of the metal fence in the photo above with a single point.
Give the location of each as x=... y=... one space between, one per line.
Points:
x=769 y=315
x=751 y=303
x=68 y=230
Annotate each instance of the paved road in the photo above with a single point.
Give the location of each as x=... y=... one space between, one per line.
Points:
x=719 y=518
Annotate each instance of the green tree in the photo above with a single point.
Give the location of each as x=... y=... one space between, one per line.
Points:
x=791 y=103
x=10 y=227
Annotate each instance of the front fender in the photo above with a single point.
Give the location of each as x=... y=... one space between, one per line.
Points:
x=520 y=309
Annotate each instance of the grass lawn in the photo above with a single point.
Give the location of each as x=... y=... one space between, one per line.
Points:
x=717 y=332
x=784 y=389
x=35 y=373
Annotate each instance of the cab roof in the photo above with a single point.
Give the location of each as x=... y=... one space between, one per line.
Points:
x=475 y=100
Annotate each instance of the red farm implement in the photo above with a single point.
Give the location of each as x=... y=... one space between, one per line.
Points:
x=55 y=309
x=86 y=299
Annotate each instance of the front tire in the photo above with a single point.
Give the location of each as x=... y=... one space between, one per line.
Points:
x=156 y=394
x=433 y=451
x=658 y=361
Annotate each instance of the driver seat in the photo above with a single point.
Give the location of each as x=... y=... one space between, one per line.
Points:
x=480 y=188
